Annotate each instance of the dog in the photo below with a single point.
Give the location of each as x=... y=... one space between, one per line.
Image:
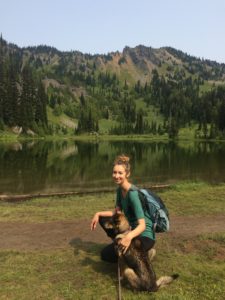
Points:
x=135 y=264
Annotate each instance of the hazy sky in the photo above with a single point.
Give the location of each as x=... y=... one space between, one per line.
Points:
x=196 y=27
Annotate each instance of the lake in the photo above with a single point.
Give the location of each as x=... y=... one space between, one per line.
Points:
x=40 y=166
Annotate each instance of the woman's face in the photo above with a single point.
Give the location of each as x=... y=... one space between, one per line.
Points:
x=119 y=174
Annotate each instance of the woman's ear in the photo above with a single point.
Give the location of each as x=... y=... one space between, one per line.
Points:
x=128 y=174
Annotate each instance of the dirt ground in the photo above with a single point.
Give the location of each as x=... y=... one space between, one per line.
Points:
x=58 y=235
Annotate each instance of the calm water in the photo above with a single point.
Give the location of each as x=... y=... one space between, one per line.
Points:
x=33 y=167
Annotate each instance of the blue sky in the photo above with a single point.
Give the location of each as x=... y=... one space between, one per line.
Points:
x=196 y=27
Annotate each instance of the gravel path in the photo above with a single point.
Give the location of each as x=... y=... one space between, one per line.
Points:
x=56 y=235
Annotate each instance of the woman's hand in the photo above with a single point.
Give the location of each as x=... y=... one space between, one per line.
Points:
x=125 y=243
x=94 y=221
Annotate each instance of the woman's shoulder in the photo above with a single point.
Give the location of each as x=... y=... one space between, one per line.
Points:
x=133 y=192
x=133 y=189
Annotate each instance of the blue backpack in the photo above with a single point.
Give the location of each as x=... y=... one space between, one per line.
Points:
x=156 y=208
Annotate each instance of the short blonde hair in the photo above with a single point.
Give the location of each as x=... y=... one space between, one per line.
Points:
x=124 y=161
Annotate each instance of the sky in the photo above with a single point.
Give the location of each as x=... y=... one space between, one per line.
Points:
x=196 y=27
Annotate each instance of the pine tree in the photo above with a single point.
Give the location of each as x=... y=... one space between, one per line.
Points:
x=221 y=115
x=27 y=99
x=155 y=87
x=2 y=83
x=139 y=127
x=40 y=107
x=90 y=122
x=11 y=113
x=96 y=126
x=82 y=100
x=52 y=101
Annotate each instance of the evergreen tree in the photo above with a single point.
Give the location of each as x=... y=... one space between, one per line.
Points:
x=137 y=87
x=173 y=128
x=139 y=127
x=82 y=100
x=27 y=99
x=52 y=101
x=40 y=106
x=2 y=82
x=155 y=87
x=86 y=122
x=97 y=126
x=125 y=85
x=128 y=108
x=11 y=103
x=90 y=122
x=221 y=115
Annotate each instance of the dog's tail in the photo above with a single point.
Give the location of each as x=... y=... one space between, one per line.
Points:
x=165 y=280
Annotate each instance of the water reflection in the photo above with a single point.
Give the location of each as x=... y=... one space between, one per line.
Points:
x=32 y=167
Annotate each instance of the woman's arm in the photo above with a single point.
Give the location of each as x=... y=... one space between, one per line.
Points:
x=125 y=242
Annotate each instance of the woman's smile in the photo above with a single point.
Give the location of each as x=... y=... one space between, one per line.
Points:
x=119 y=174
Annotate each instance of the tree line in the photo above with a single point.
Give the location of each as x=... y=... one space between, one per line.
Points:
x=181 y=102
x=23 y=100
x=177 y=97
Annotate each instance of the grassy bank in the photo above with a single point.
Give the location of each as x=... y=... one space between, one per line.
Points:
x=183 y=199
x=184 y=136
x=76 y=272
x=7 y=136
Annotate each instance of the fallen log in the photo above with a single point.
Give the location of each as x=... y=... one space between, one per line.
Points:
x=22 y=197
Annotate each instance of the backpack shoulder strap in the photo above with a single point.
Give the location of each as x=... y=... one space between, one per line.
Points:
x=133 y=188
x=141 y=196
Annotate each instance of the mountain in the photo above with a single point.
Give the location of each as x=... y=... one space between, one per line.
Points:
x=86 y=88
x=132 y=64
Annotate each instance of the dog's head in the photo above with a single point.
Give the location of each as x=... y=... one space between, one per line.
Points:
x=121 y=224
x=118 y=223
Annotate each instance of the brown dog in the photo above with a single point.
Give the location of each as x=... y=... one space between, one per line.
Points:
x=135 y=264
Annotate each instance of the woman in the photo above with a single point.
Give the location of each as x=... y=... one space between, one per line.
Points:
x=127 y=201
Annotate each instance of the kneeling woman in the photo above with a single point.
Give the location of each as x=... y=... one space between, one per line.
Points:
x=128 y=202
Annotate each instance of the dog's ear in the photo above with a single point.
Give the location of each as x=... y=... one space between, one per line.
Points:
x=116 y=217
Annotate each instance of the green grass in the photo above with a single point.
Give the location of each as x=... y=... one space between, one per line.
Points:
x=195 y=199
x=187 y=133
x=7 y=135
x=54 y=209
x=153 y=114
x=62 y=120
x=187 y=198
x=106 y=125
x=76 y=271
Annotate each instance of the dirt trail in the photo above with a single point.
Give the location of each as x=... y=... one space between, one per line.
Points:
x=56 y=235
